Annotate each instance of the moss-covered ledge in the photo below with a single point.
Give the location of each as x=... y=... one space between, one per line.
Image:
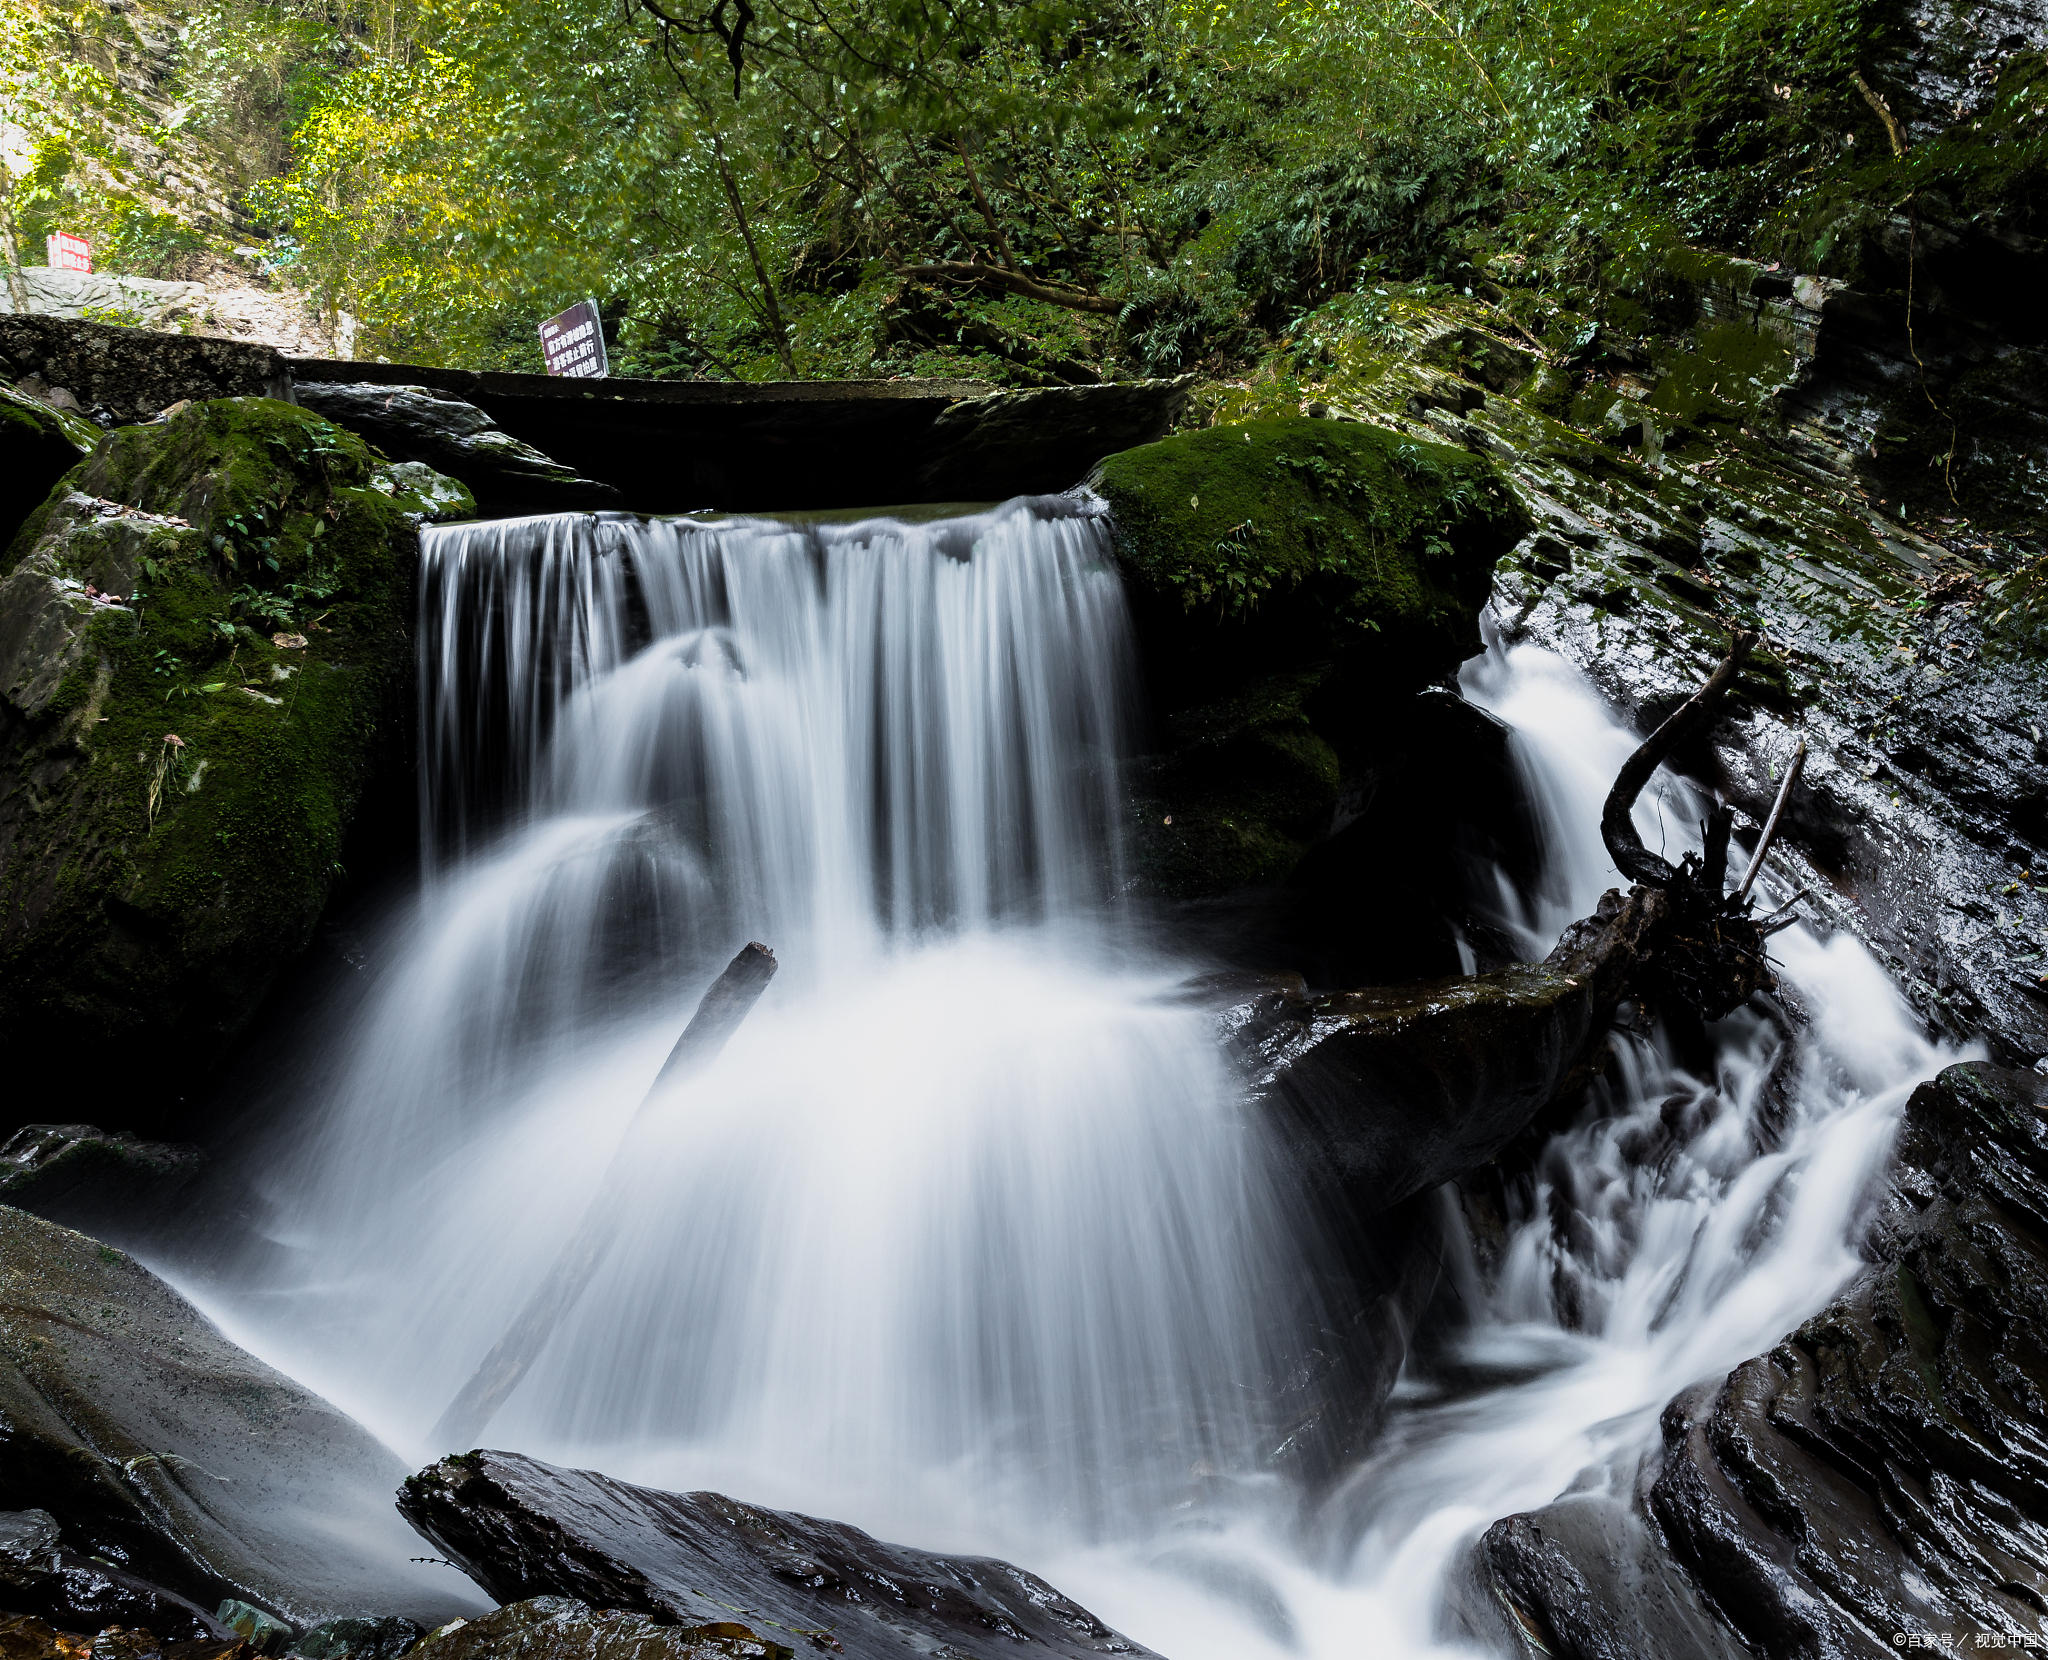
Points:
x=204 y=649
x=1294 y=583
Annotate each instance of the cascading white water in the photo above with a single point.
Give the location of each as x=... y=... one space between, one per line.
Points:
x=964 y=1239
x=967 y=1191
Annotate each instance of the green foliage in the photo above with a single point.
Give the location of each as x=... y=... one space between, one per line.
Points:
x=1156 y=185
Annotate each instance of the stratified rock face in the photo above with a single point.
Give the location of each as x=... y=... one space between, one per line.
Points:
x=524 y=1529
x=412 y=423
x=1883 y=1469
x=119 y=375
x=204 y=648
x=560 y=1628
x=157 y=1445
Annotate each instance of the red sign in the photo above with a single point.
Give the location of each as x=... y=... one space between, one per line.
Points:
x=68 y=252
x=573 y=343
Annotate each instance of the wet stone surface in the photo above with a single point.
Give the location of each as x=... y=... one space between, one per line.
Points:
x=1881 y=1471
x=525 y=1529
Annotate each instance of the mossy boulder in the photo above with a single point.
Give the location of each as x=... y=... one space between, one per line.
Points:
x=38 y=446
x=204 y=649
x=1293 y=581
x=1337 y=535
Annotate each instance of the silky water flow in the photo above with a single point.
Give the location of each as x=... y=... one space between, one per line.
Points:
x=967 y=1238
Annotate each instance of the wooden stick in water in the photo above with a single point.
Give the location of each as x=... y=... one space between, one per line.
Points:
x=1763 y=846
x=718 y=1016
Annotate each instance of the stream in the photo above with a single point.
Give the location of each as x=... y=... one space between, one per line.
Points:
x=967 y=1238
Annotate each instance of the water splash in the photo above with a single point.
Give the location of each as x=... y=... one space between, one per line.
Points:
x=968 y=1191
x=964 y=1239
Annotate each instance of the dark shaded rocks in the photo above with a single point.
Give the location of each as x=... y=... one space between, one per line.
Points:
x=1004 y=444
x=525 y=1529
x=121 y=375
x=680 y=446
x=204 y=660
x=1880 y=1471
x=358 y=1638
x=560 y=1628
x=38 y=446
x=160 y=1448
x=39 y=1577
x=73 y=1174
x=1587 y=1578
x=1294 y=584
x=1377 y=1094
x=413 y=423
x=263 y=1632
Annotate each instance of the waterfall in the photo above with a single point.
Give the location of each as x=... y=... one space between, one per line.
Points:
x=968 y=1192
x=966 y=1238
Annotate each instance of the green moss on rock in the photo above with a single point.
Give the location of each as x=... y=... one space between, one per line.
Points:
x=1378 y=532
x=1292 y=580
x=204 y=649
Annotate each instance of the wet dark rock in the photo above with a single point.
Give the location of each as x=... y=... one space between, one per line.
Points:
x=39 y=1577
x=680 y=446
x=76 y=1175
x=174 y=1457
x=1377 y=1094
x=560 y=1628
x=1880 y=1471
x=525 y=1529
x=1586 y=1579
x=120 y=375
x=414 y=423
x=360 y=1638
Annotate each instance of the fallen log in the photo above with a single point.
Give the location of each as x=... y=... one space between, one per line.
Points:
x=718 y=1016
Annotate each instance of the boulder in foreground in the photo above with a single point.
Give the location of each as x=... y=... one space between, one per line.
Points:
x=205 y=639
x=158 y=1447
x=524 y=1529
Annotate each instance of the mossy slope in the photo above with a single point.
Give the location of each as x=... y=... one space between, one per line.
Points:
x=204 y=645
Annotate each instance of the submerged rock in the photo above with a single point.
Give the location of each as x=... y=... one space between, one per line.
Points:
x=560 y=1628
x=160 y=1448
x=525 y=1529
x=417 y=424
x=1880 y=1471
x=204 y=646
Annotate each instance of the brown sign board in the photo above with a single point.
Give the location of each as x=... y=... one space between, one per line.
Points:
x=572 y=342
